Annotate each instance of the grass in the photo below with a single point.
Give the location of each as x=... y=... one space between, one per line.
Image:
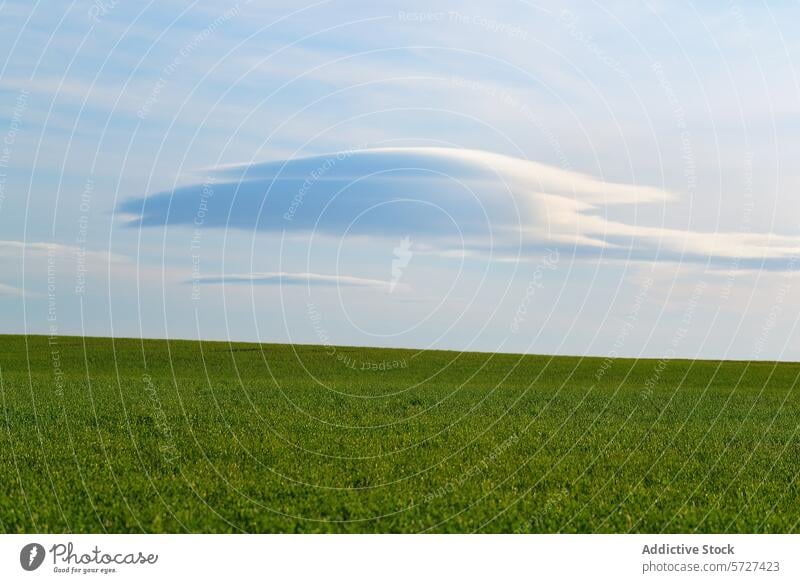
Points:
x=108 y=435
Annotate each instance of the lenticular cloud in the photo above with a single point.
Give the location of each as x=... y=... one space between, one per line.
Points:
x=467 y=202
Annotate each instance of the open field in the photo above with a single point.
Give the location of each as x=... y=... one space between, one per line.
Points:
x=129 y=436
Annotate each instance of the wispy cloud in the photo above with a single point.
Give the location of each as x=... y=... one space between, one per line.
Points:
x=9 y=290
x=17 y=249
x=282 y=278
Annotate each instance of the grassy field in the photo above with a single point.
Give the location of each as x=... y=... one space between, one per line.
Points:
x=128 y=436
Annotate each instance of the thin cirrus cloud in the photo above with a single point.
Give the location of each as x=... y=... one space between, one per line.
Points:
x=455 y=202
x=40 y=261
x=283 y=278
x=9 y=290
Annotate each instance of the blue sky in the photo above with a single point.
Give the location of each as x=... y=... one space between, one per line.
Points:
x=524 y=177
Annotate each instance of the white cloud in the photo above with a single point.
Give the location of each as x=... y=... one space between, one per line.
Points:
x=38 y=249
x=455 y=202
x=283 y=278
x=9 y=290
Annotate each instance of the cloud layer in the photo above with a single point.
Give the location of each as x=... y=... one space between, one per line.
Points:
x=283 y=278
x=454 y=201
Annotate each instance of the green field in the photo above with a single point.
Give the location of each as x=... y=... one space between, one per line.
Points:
x=130 y=436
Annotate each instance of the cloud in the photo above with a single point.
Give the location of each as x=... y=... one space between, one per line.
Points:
x=35 y=250
x=18 y=248
x=10 y=291
x=454 y=202
x=38 y=261
x=282 y=278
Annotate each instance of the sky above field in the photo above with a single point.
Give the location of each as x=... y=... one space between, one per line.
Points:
x=561 y=178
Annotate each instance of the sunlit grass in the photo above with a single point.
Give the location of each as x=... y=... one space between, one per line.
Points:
x=129 y=436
